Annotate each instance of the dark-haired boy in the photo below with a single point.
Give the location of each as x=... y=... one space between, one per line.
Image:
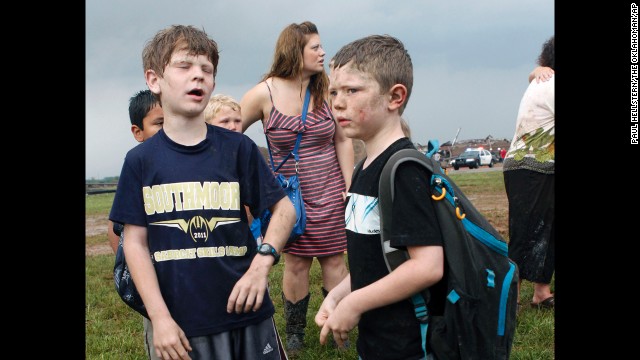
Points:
x=145 y=114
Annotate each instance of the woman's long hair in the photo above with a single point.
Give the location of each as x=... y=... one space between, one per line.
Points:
x=288 y=60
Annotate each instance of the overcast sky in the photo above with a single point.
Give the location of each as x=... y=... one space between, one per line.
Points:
x=470 y=58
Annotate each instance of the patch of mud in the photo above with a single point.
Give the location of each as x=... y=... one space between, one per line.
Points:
x=96 y=225
x=97 y=249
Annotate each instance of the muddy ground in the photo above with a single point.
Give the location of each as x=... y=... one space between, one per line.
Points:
x=96 y=225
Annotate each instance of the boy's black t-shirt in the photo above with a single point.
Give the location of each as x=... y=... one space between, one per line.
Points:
x=390 y=332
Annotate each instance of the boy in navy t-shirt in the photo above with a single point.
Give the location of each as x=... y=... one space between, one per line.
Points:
x=181 y=195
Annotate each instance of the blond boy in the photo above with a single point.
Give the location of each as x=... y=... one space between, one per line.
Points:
x=222 y=110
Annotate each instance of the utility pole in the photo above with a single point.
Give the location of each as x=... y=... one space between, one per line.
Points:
x=455 y=138
x=453 y=142
x=448 y=158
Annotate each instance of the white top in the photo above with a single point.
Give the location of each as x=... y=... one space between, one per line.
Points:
x=533 y=144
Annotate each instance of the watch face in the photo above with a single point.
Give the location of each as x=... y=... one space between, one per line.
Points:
x=265 y=248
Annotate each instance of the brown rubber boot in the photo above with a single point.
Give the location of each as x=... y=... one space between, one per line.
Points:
x=295 y=316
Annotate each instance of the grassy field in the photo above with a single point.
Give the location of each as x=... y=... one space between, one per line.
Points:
x=113 y=331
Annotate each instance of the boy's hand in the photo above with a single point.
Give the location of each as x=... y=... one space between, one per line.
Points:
x=326 y=308
x=248 y=293
x=339 y=321
x=169 y=341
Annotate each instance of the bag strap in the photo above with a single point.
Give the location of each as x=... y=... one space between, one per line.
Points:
x=294 y=152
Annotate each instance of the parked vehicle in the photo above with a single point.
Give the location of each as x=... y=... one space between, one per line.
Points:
x=473 y=158
x=496 y=157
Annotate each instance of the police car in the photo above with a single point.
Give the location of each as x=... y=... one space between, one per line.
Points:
x=473 y=158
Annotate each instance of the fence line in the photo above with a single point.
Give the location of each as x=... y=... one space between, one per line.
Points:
x=100 y=188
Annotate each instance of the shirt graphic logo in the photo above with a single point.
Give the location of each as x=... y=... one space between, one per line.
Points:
x=198 y=227
x=362 y=214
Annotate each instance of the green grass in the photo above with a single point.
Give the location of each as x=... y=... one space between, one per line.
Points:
x=490 y=182
x=96 y=239
x=98 y=204
x=114 y=331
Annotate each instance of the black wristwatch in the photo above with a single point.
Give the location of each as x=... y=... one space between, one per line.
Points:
x=267 y=249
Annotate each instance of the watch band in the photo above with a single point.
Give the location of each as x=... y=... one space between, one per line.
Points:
x=268 y=249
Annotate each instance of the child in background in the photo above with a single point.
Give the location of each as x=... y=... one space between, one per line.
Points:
x=368 y=96
x=145 y=114
x=224 y=111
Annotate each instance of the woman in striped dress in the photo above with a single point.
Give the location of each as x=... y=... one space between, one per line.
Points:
x=325 y=167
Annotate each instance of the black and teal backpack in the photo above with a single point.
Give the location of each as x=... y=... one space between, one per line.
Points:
x=479 y=316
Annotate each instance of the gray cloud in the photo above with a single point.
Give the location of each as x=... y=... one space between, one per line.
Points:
x=471 y=58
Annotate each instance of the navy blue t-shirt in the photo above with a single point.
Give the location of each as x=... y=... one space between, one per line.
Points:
x=191 y=200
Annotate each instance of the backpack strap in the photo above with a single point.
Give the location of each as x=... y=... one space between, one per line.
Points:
x=394 y=257
x=294 y=152
x=432 y=147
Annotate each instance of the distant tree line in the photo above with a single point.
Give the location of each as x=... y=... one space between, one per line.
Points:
x=108 y=179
